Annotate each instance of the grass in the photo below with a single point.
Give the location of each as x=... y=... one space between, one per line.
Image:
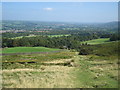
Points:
x=40 y=35
x=51 y=77
x=27 y=49
x=63 y=69
x=37 y=59
x=23 y=36
x=96 y=72
x=59 y=35
x=97 y=41
x=89 y=72
x=106 y=49
x=38 y=75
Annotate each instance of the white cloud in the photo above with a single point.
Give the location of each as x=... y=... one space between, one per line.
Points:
x=48 y=9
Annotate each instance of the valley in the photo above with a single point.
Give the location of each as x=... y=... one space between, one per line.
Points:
x=68 y=56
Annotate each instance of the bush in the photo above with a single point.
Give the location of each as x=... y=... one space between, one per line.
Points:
x=85 y=51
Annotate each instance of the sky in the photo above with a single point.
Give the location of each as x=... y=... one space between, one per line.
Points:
x=61 y=11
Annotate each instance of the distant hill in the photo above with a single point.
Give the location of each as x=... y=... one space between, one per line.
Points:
x=32 y=25
x=111 y=25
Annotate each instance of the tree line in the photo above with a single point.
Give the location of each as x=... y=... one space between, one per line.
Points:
x=70 y=42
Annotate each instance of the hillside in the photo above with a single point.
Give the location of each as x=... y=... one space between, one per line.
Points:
x=63 y=69
x=106 y=49
x=96 y=41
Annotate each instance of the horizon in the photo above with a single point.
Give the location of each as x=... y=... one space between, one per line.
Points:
x=80 y=12
x=60 y=21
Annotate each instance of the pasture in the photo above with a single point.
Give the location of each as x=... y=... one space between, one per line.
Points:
x=24 y=36
x=58 y=35
x=42 y=35
x=97 y=41
x=27 y=49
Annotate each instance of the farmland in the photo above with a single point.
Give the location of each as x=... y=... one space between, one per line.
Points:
x=58 y=35
x=40 y=35
x=27 y=49
x=97 y=41
x=59 y=55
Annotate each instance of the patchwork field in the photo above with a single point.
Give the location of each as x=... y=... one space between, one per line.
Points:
x=97 y=41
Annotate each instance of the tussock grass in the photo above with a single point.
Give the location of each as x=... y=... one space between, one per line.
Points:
x=61 y=70
x=97 y=73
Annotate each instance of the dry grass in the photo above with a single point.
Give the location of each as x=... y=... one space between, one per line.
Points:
x=46 y=77
x=84 y=73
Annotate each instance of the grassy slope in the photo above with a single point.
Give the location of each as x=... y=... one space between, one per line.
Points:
x=55 y=72
x=63 y=70
x=49 y=71
x=38 y=57
x=100 y=68
x=96 y=72
x=27 y=49
x=97 y=41
x=106 y=49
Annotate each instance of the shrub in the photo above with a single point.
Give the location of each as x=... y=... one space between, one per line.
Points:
x=85 y=51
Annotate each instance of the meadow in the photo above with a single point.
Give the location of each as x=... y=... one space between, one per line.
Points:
x=27 y=49
x=97 y=41
x=40 y=35
x=64 y=69
x=58 y=35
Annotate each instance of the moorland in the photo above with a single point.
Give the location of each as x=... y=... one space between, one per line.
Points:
x=77 y=55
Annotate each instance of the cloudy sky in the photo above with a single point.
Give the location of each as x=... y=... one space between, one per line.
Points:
x=61 y=11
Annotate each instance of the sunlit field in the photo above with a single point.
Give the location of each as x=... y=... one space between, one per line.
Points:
x=97 y=41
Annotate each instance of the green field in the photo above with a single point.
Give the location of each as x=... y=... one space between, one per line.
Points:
x=27 y=49
x=97 y=41
x=59 y=35
x=39 y=35
x=23 y=36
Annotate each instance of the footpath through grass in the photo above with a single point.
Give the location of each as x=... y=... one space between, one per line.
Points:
x=27 y=49
x=96 y=72
x=60 y=70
